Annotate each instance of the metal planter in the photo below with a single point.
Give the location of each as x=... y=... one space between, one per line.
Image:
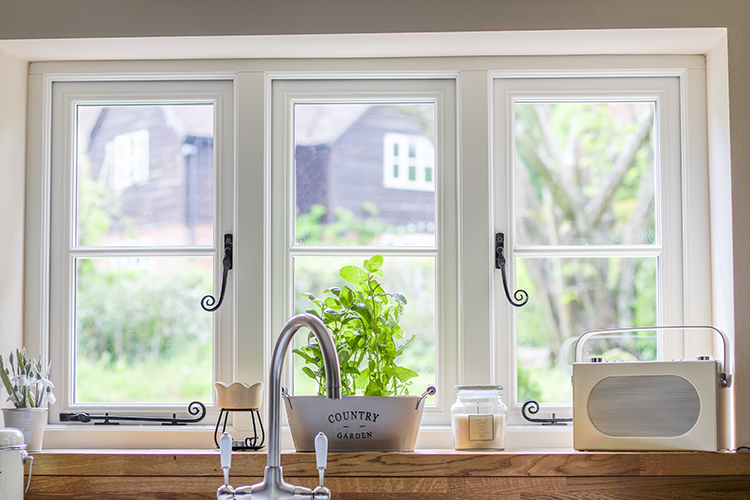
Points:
x=356 y=423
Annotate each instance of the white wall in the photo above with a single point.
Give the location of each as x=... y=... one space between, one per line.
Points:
x=13 y=80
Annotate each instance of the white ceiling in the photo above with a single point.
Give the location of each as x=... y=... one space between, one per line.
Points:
x=635 y=41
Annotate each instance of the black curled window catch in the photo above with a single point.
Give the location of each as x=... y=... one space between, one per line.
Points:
x=207 y=302
x=521 y=296
x=532 y=406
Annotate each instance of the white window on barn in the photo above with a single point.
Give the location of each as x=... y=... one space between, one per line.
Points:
x=408 y=162
x=128 y=156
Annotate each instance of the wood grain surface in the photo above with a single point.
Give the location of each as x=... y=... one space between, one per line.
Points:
x=434 y=474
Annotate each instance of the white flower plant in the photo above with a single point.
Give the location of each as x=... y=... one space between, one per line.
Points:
x=26 y=381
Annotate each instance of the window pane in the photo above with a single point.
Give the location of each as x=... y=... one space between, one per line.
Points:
x=140 y=335
x=584 y=173
x=145 y=175
x=412 y=277
x=361 y=174
x=570 y=297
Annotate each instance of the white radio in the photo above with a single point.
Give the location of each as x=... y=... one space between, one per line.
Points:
x=650 y=405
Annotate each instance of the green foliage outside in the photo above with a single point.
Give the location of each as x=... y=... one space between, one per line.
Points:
x=364 y=322
x=344 y=230
x=134 y=324
x=184 y=377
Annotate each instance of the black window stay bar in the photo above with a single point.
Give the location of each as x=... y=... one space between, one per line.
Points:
x=194 y=408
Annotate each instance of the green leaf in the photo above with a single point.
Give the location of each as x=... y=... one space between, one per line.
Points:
x=373 y=389
x=303 y=355
x=361 y=380
x=374 y=263
x=353 y=275
x=346 y=296
x=332 y=315
x=344 y=355
x=307 y=371
x=399 y=298
x=314 y=299
x=332 y=303
x=363 y=311
x=401 y=373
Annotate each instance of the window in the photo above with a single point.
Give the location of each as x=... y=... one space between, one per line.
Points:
x=421 y=167
x=595 y=184
x=332 y=207
x=136 y=227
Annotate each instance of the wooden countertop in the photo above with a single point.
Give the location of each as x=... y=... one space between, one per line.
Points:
x=421 y=463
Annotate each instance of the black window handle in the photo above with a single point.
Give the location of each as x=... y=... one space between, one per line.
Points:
x=207 y=302
x=521 y=296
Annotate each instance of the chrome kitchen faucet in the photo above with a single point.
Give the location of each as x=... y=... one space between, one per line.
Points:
x=273 y=486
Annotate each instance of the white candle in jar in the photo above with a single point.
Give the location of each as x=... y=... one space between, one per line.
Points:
x=478 y=418
x=478 y=432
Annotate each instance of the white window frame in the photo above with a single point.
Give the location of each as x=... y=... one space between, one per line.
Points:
x=681 y=165
x=58 y=230
x=294 y=88
x=247 y=334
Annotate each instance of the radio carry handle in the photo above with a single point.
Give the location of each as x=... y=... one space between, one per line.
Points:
x=725 y=376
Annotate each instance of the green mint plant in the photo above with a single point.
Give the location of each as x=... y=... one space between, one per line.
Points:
x=364 y=322
x=26 y=381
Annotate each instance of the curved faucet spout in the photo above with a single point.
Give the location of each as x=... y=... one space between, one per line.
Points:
x=333 y=375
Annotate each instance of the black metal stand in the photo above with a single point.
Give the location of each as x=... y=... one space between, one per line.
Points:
x=250 y=442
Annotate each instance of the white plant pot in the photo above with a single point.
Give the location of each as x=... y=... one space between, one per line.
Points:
x=31 y=422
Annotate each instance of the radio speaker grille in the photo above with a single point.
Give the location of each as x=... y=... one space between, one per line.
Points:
x=644 y=406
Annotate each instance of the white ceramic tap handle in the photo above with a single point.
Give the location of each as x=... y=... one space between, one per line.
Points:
x=225 y=447
x=321 y=454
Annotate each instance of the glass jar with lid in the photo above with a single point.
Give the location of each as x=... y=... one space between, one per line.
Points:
x=478 y=418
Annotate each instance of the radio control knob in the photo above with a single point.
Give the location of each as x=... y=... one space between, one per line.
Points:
x=703 y=358
x=597 y=359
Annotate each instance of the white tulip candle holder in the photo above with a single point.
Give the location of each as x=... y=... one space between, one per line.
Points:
x=243 y=398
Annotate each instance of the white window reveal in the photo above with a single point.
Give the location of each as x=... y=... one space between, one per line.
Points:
x=408 y=162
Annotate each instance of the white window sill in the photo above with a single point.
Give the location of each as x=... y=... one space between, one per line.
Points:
x=90 y=436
